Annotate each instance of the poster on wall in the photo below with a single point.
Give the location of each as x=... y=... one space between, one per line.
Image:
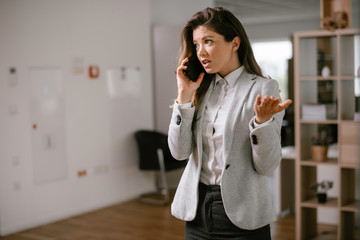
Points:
x=123 y=81
x=48 y=130
x=124 y=90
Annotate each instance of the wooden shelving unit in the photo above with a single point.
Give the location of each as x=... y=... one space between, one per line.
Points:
x=340 y=51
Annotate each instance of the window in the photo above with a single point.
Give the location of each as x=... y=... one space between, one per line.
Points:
x=273 y=60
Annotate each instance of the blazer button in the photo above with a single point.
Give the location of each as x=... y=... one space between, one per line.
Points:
x=178 y=119
x=254 y=139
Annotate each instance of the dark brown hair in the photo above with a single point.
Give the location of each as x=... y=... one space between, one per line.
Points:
x=226 y=24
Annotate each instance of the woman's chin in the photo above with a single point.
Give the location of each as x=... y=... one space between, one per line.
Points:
x=209 y=71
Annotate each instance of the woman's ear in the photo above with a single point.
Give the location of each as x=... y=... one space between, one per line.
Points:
x=236 y=43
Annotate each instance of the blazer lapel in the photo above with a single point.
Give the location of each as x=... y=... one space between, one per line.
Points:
x=199 y=120
x=242 y=88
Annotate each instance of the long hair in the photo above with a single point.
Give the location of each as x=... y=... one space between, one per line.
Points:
x=226 y=24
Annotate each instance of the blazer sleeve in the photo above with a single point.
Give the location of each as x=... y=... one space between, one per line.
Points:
x=265 y=139
x=180 y=133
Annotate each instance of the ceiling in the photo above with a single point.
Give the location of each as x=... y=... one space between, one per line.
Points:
x=270 y=11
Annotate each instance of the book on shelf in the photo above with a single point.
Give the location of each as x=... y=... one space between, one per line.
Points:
x=318 y=111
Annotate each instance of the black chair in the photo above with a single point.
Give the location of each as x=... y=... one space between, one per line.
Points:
x=154 y=154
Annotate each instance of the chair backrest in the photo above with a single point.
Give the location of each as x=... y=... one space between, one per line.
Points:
x=148 y=142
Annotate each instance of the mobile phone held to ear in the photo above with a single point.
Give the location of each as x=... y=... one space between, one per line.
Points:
x=194 y=68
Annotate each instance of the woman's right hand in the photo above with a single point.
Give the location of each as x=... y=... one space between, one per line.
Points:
x=186 y=87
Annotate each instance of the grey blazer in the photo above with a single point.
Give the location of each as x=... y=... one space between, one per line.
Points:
x=250 y=155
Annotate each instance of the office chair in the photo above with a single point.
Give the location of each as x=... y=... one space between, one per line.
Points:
x=154 y=154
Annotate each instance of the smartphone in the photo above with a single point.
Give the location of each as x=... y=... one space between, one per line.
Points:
x=194 y=68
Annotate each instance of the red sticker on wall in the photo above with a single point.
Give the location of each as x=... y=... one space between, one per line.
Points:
x=94 y=71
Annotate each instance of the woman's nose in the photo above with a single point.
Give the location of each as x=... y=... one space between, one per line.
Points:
x=201 y=50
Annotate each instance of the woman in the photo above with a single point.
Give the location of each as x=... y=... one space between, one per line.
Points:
x=227 y=123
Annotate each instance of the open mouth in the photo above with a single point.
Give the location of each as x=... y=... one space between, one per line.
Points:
x=205 y=63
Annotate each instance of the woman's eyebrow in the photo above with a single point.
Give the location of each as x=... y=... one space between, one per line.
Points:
x=206 y=36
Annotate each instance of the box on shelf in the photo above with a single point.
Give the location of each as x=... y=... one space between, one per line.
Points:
x=318 y=111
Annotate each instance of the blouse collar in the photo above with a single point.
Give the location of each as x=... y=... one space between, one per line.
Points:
x=231 y=77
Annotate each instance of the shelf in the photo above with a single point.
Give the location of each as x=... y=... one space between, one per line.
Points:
x=313 y=203
x=349 y=165
x=349 y=121
x=317 y=78
x=310 y=162
x=348 y=228
x=330 y=121
x=347 y=103
x=352 y=207
x=326 y=232
x=320 y=78
x=325 y=107
x=347 y=77
x=326 y=33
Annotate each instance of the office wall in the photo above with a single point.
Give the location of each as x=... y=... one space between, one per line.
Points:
x=173 y=12
x=279 y=30
x=46 y=48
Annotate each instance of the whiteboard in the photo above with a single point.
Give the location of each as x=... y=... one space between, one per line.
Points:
x=48 y=130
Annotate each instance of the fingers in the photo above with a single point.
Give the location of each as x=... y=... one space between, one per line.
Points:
x=258 y=100
x=182 y=67
x=264 y=101
x=266 y=107
x=275 y=102
x=271 y=102
x=285 y=104
x=184 y=61
x=200 y=78
x=267 y=102
x=186 y=87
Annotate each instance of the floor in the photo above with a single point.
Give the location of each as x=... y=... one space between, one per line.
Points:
x=130 y=220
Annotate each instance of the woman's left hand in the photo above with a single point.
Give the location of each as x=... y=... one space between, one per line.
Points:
x=268 y=106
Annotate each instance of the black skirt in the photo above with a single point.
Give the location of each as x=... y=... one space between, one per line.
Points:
x=211 y=221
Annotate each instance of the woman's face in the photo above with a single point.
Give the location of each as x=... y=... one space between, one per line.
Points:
x=215 y=54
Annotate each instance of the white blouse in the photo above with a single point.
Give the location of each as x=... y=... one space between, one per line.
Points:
x=214 y=119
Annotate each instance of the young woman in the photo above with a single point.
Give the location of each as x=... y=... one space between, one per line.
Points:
x=227 y=123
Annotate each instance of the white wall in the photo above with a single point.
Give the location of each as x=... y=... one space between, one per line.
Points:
x=278 y=30
x=174 y=12
x=42 y=33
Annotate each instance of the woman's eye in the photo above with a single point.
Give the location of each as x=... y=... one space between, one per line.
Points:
x=196 y=46
x=208 y=41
